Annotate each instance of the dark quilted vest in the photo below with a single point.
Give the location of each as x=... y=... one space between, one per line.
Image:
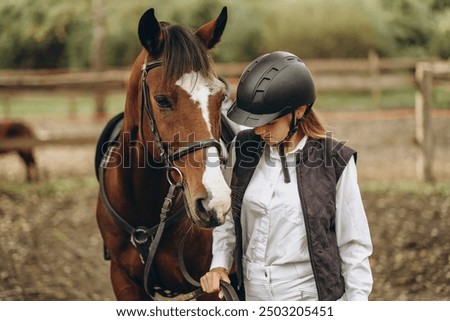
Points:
x=319 y=166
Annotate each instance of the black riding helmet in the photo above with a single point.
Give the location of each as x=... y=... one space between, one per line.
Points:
x=273 y=85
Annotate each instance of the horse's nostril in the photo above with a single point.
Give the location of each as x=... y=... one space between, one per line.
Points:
x=208 y=217
x=213 y=222
x=199 y=205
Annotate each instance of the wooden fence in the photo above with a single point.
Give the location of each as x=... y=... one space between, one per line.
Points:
x=349 y=74
x=427 y=75
x=371 y=75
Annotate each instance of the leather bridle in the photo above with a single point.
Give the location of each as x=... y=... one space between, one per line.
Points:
x=167 y=158
x=146 y=240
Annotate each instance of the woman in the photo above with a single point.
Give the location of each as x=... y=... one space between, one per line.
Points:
x=298 y=229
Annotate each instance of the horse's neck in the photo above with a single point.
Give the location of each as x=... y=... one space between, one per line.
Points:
x=138 y=186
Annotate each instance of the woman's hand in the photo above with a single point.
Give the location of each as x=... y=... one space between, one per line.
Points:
x=211 y=281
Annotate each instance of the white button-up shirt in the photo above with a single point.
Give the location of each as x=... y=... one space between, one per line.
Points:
x=273 y=226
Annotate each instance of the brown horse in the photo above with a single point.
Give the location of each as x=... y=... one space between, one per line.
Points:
x=10 y=130
x=165 y=151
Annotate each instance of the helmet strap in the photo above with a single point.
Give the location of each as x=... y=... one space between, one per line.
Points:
x=293 y=128
x=295 y=123
x=281 y=148
x=281 y=151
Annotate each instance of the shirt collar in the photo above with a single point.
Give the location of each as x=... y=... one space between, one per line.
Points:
x=274 y=150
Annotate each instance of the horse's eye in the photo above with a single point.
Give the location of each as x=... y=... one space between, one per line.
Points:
x=163 y=102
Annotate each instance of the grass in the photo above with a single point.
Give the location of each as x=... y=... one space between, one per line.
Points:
x=69 y=185
x=28 y=106
x=407 y=187
x=58 y=186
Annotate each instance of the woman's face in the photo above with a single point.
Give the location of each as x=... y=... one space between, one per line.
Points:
x=277 y=130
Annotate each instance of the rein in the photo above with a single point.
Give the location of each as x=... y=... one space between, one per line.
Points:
x=226 y=288
x=146 y=240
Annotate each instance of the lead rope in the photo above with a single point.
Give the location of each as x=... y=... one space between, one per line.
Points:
x=226 y=288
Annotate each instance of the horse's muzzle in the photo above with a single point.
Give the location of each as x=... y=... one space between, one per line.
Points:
x=208 y=218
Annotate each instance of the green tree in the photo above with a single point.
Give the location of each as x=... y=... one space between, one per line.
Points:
x=327 y=28
x=412 y=25
x=59 y=33
x=42 y=34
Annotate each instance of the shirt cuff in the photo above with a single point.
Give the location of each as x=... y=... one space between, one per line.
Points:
x=222 y=259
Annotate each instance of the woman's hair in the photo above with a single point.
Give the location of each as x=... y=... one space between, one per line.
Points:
x=312 y=126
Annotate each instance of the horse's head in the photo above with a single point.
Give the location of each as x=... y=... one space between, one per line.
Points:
x=184 y=98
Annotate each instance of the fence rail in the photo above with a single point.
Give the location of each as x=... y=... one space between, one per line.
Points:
x=371 y=74
x=26 y=143
x=347 y=74
x=87 y=82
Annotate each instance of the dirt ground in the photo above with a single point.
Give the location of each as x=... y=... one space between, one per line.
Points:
x=50 y=246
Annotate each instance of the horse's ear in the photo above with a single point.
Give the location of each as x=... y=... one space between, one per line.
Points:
x=211 y=32
x=150 y=32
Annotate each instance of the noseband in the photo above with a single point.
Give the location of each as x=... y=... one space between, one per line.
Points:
x=167 y=158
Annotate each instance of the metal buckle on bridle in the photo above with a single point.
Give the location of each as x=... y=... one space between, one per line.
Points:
x=169 y=176
x=140 y=238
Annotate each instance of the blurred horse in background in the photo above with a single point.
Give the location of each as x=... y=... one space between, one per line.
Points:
x=10 y=130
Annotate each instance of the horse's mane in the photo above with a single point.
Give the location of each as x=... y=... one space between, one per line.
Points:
x=184 y=52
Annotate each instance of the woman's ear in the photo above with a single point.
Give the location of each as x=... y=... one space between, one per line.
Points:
x=300 y=111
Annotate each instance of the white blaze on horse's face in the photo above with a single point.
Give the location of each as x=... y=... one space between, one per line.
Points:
x=200 y=89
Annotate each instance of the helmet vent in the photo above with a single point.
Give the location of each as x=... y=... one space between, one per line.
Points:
x=263 y=84
x=259 y=97
x=293 y=58
x=272 y=73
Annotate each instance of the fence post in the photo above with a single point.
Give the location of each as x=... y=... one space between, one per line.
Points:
x=374 y=68
x=97 y=53
x=424 y=131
